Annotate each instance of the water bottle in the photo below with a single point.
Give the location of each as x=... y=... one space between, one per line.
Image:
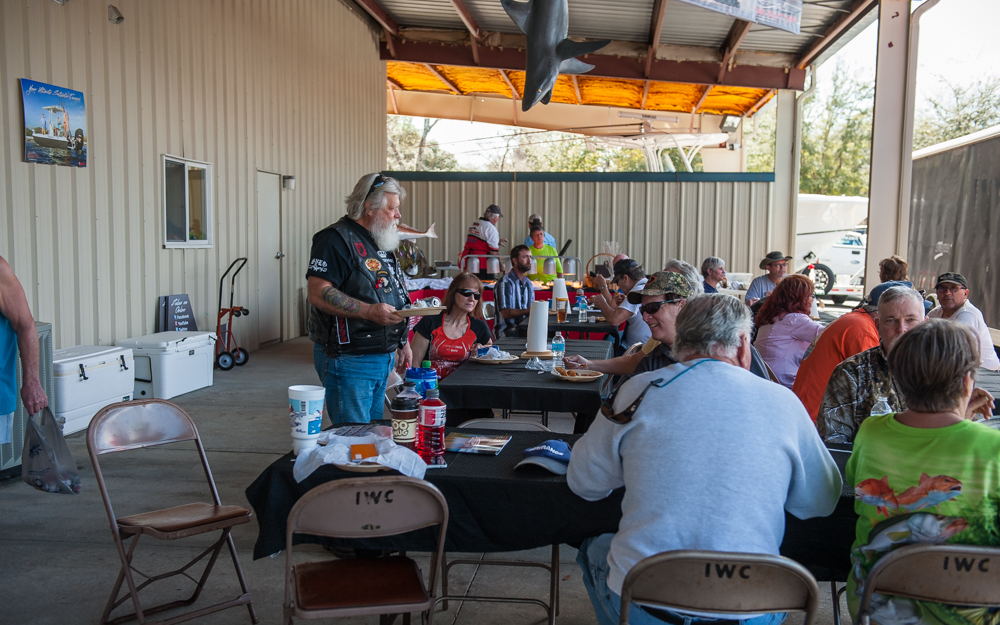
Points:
x=881 y=407
x=581 y=309
x=430 y=427
x=558 y=349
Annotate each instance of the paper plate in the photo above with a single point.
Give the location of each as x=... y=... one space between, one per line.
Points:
x=579 y=378
x=502 y=361
x=364 y=467
x=420 y=312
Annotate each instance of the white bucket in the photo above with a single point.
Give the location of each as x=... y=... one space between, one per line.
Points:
x=305 y=412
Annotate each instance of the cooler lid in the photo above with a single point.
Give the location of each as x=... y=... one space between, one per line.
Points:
x=168 y=341
x=68 y=355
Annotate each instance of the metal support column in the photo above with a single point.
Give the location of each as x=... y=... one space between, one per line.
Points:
x=781 y=221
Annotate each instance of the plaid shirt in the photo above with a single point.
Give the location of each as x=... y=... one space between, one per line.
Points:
x=512 y=293
x=854 y=387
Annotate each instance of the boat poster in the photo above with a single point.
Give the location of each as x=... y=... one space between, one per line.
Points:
x=55 y=124
x=783 y=14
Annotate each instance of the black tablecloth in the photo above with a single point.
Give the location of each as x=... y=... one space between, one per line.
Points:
x=492 y=506
x=571 y=325
x=476 y=385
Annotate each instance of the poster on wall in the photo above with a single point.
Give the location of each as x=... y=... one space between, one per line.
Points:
x=745 y=10
x=783 y=14
x=55 y=124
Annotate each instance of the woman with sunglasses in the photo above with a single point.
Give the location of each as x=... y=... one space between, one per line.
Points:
x=448 y=339
x=785 y=330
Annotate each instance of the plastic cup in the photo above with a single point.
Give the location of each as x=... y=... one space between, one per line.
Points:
x=305 y=412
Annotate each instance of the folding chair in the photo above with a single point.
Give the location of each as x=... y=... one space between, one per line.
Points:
x=953 y=574
x=612 y=382
x=148 y=423
x=720 y=582
x=552 y=607
x=364 y=508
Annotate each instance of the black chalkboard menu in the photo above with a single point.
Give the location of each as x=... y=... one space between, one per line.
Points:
x=175 y=314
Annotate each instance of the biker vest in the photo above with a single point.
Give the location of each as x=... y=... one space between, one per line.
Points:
x=370 y=282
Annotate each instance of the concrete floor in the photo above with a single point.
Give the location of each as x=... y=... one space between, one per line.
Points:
x=57 y=558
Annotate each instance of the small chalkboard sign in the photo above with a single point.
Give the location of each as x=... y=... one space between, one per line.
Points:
x=175 y=314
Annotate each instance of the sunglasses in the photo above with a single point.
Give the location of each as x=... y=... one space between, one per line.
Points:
x=379 y=181
x=469 y=293
x=653 y=307
x=607 y=407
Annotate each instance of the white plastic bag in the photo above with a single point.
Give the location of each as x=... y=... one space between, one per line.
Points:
x=46 y=462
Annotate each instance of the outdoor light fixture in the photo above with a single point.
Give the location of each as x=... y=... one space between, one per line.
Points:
x=648 y=117
x=730 y=123
x=114 y=15
x=288 y=182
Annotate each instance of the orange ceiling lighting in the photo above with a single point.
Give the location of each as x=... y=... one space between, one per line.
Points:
x=661 y=96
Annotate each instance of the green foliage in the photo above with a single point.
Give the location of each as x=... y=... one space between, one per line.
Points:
x=408 y=148
x=958 y=111
x=759 y=143
x=558 y=151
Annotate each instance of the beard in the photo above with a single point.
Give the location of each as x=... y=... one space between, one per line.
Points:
x=386 y=234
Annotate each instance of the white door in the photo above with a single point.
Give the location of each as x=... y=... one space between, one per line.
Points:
x=268 y=257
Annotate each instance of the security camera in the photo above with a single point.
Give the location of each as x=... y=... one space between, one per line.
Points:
x=114 y=15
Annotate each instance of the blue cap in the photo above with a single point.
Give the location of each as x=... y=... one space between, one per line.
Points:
x=873 y=297
x=552 y=455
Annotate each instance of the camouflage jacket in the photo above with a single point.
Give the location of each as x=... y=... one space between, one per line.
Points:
x=854 y=388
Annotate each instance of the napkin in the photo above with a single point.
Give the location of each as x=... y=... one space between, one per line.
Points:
x=338 y=451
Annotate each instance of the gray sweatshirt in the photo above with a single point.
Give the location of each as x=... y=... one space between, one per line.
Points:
x=710 y=461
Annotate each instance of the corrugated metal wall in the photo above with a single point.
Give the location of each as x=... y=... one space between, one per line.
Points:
x=653 y=220
x=286 y=86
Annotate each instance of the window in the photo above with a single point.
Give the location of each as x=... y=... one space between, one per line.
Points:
x=187 y=203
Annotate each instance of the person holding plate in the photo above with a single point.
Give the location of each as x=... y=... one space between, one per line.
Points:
x=449 y=338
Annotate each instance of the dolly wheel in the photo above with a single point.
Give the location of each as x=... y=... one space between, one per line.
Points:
x=225 y=361
x=241 y=356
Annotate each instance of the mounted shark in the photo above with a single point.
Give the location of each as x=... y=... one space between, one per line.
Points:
x=546 y=23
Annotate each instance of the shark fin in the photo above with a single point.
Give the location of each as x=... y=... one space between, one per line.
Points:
x=547 y=97
x=574 y=66
x=567 y=48
x=518 y=13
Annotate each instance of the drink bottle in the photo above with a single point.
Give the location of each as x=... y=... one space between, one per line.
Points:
x=430 y=427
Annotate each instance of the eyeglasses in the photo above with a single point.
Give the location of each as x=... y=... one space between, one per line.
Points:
x=470 y=293
x=378 y=182
x=948 y=288
x=607 y=407
x=653 y=307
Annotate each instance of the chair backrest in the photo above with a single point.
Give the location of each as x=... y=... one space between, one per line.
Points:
x=720 y=582
x=953 y=574
x=368 y=507
x=770 y=374
x=504 y=424
x=139 y=424
x=609 y=387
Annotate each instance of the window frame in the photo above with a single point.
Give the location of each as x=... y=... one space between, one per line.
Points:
x=208 y=208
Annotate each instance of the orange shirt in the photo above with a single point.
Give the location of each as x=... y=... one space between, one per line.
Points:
x=852 y=334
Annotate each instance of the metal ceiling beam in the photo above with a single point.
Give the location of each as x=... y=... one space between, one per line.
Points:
x=856 y=12
x=736 y=35
x=513 y=93
x=442 y=78
x=389 y=42
x=655 y=28
x=576 y=87
x=701 y=100
x=468 y=20
x=759 y=103
x=606 y=66
x=645 y=93
x=372 y=8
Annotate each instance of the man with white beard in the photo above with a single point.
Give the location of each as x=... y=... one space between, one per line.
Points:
x=355 y=289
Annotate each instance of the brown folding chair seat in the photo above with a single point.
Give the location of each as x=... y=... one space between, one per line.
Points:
x=722 y=583
x=952 y=574
x=364 y=508
x=552 y=607
x=148 y=423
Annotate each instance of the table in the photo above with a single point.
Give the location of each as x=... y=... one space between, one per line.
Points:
x=989 y=380
x=512 y=387
x=573 y=325
x=495 y=508
x=492 y=507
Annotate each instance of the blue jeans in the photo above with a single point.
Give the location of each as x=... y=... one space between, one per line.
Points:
x=593 y=561
x=355 y=385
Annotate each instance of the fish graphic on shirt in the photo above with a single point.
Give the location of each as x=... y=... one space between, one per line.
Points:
x=929 y=491
x=916 y=527
x=877 y=493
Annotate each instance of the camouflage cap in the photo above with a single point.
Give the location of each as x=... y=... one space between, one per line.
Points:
x=662 y=283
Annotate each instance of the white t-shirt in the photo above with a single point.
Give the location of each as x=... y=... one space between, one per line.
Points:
x=636 y=330
x=972 y=317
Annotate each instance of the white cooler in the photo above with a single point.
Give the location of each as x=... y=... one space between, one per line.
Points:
x=88 y=378
x=168 y=364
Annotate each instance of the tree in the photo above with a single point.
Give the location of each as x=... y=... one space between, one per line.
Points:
x=958 y=111
x=527 y=150
x=409 y=149
x=759 y=143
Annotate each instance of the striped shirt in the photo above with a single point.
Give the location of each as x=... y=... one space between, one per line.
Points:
x=510 y=292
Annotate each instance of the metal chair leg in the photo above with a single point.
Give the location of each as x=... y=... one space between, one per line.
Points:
x=835 y=595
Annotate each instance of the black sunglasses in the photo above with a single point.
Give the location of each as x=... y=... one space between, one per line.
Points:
x=652 y=307
x=607 y=407
x=379 y=181
x=469 y=293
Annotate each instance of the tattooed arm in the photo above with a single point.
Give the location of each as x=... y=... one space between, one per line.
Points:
x=324 y=296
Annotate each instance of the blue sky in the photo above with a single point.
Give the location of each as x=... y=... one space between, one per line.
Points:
x=956 y=39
